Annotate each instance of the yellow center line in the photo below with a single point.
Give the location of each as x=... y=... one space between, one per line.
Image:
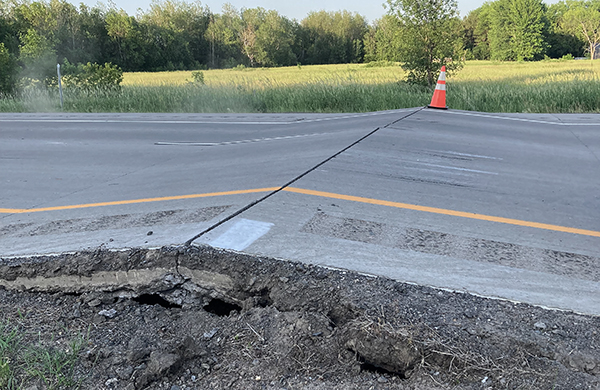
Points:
x=134 y=201
x=453 y=213
x=323 y=194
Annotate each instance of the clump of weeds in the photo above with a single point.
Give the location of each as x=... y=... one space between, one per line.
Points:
x=24 y=363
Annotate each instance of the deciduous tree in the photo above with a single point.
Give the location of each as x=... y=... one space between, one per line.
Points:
x=583 y=19
x=8 y=71
x=174 y=34
x=476 y=26
x=518 y=30
x=266 y=38
x=333 y=37
x=223 y=34
x=561 y=40
x=431 y=37
x=383 y=41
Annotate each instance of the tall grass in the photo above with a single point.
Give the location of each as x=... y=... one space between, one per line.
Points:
x=547 y=86
x=558 y=97
x=189 y=98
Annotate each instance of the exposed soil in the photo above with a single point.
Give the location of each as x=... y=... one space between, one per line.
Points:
x=201 y=318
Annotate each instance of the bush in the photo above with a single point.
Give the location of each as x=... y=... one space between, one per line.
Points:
x=198 y=77
x=92 y=76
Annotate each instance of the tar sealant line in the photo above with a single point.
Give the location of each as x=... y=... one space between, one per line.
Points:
x=258 y=201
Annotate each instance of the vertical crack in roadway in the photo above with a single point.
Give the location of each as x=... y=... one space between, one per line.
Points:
x=584 y=145
x=258 y=201
x=577 y=137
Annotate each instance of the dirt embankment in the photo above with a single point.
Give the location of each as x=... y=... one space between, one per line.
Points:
x=201 y=318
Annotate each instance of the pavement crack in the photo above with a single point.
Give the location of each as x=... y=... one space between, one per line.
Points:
x=586 y=146
x=295 y=179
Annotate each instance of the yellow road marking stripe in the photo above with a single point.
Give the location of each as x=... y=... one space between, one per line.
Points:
x=323 y=194
x=134 y=201
x=453 y=213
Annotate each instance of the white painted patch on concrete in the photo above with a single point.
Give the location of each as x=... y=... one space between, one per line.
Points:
x=242 y=234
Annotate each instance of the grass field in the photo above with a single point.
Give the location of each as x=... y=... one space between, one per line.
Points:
x=276 y=77
x=546 y=86
x=485 y=71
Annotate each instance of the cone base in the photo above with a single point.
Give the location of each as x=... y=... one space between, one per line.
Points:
x=438 y=108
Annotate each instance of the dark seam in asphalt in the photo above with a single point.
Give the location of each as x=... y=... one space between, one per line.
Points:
x=258 y=201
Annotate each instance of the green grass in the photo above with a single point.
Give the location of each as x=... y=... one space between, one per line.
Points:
x=559 y=97
x=536 y=87
x=8 y=346
x=23 y=364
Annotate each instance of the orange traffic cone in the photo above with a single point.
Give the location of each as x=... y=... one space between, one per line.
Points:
x=439 y=95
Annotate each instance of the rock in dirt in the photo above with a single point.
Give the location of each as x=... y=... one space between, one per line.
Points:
x=111 y=313
x=94 y=302
x=137 y=351
x=160 y=365
x=540 y=325
x=381 y=347
x=209 y=335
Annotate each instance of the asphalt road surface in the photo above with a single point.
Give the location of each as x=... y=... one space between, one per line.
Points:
x=500 y=205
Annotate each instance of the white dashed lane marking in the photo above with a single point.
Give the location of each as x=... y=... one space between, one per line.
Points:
x=245 y=141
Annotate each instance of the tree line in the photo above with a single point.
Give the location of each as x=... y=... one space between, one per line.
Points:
x=177 y=35
x=509 y=30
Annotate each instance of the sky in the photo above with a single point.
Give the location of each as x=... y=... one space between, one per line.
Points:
x=371 y=9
